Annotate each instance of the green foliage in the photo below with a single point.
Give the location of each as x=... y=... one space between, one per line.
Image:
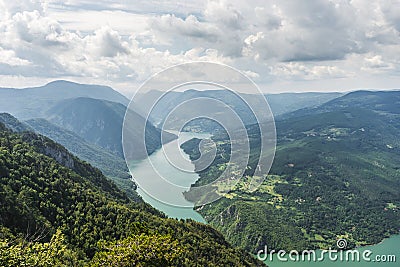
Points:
x=253 y=224
x=107 y=162
x=45 y=189
x=112 y=166
x=138 y=250
x=333 y=175
x=28 y=253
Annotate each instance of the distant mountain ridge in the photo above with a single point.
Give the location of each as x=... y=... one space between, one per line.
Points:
x=28 y=103
x=279 y=103
x=100 y=122
x=93 y=112
x=97 y=121
x=384 y=102
x=289 y=102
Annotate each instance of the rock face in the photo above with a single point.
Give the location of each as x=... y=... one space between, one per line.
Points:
x=61 y=157
x=48 y=147
x=51 y=149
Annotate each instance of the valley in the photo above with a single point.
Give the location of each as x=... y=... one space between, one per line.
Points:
x=335 y=175
x=86 y=119
x=60 y=211
x=207 y=133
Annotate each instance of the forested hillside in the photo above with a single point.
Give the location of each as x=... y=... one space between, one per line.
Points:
x=336 y=174
x=112 y=166
x=57 y=210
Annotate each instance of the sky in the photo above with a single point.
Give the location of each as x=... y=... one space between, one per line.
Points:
x=284 y=46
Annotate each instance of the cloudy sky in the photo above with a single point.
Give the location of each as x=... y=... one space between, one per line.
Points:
x=311 y=45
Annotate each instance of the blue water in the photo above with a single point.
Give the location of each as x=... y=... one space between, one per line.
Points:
x=175 y=175
x=388 y=248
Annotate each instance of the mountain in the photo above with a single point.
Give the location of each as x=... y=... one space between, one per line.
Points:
x=335 y=175
x=59 y=211
x=279 y=104
x=112 y=166
x=33 y=102
x=166 y=103
x=289 y=102
x=93 y=112
x=202 y=106
x=380 y=101
x=100 y=122
x=383 y=102
x=13 y=123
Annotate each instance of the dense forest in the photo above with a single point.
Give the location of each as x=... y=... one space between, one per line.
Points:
x=336 y=174
x=57 y=210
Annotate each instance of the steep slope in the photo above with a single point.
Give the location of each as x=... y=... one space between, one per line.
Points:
x=33 y=102
x=108 y=163
x=112 y=166
x=46 y=190
x=335 y=174
x=100 y=122
x=13 y=123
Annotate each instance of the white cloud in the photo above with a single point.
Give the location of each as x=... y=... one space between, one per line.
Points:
x=375 y=64
x=296 y=70
x=251 y=74
x=33 y=37
x=191 y=28
x=223 y=13
x=8 y=57
x=316 y=31
x=10 y=8
x=106 y=43
x=269 y=40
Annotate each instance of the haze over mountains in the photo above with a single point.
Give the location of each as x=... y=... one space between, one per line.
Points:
x=279 y=103
x=33 y=102
x=87 y=119
x=382 y=102
x=95 y=113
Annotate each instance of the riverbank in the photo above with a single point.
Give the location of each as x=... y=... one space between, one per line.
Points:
x=158 y=164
